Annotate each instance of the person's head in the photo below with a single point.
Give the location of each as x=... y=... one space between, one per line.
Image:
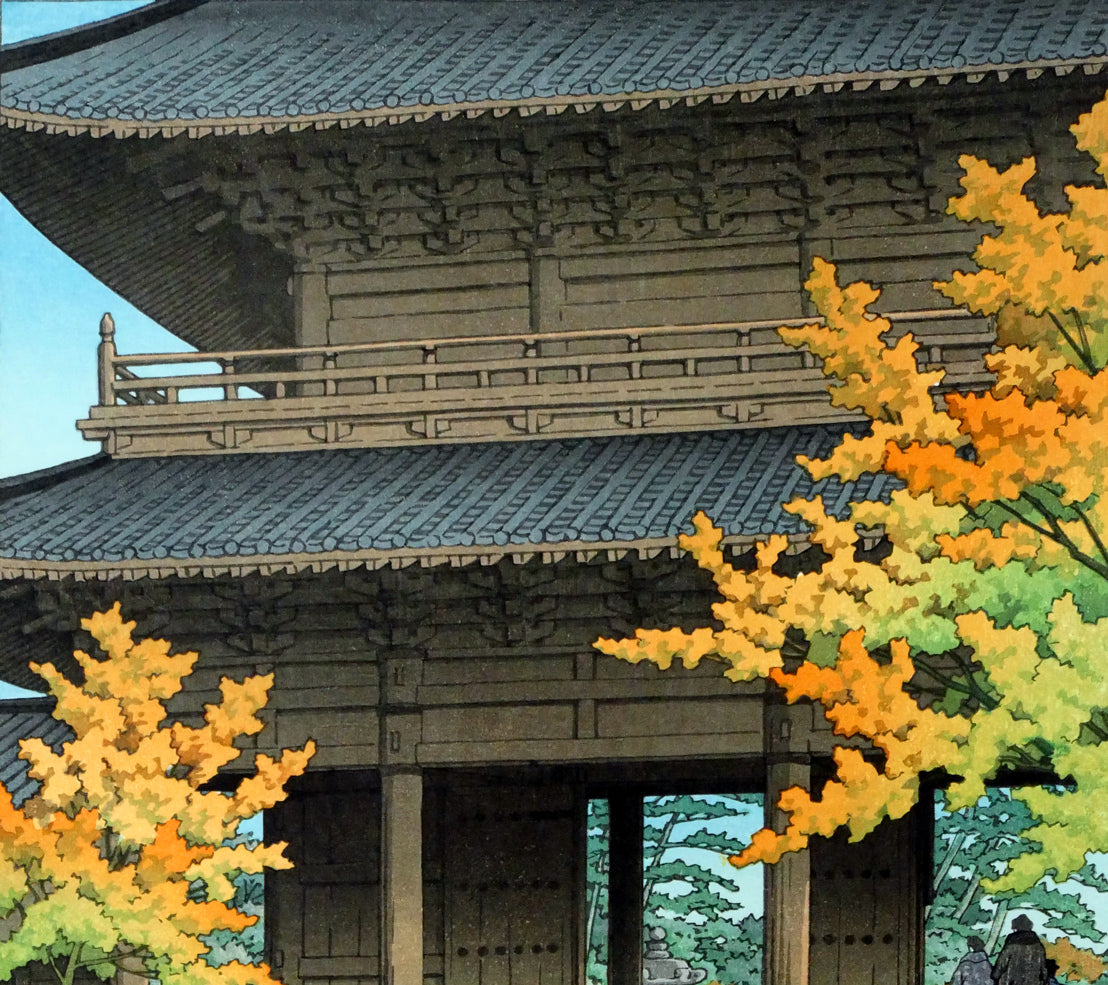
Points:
x=1052 y=967
x=976 y=944
x=1022 y=922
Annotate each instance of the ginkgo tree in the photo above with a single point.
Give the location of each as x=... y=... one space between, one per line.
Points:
x=119 y=861
x=977 y=642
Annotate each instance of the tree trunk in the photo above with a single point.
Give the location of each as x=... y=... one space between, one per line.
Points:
x=967 y=898
x=997 y=926
x=594 y=905
x=948 y=860
x=663 y=843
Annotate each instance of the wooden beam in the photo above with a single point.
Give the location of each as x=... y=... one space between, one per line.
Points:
x=402 y=876
x=625 y=888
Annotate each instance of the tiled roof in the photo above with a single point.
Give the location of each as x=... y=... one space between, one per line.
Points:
x=374 y=506
x=25 y=719
x=390 y=60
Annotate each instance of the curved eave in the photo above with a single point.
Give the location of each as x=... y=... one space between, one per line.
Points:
x=12 y=569
x=747 y=92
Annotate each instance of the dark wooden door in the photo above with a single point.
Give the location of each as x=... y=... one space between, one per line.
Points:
x=866 y=907
x=510 y=885
x=323 y=915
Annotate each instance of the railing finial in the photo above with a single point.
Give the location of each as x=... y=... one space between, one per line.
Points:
x=105 y=358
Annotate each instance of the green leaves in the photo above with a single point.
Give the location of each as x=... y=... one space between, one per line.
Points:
x=976 y=643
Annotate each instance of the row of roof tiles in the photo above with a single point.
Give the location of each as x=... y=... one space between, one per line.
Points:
x=26 y=719
x=494 y=498
x=285 y=59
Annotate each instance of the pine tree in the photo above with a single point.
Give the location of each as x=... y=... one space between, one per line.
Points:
x=707 y=922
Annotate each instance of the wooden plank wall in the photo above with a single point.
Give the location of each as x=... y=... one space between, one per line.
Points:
x=683 y=216
x=448 y=666
x=429 y=301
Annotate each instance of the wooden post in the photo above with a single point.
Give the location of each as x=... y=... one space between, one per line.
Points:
x=402 y=876
x=311 y=306
x=625 y=889
x=548 y=292
x=787 y=892
x=788 y=882
x=105 y=356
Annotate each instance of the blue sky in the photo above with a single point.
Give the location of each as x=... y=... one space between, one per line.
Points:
x=50 y=307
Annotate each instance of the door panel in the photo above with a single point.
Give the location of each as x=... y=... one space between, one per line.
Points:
x=510 y=894
x=866 y=911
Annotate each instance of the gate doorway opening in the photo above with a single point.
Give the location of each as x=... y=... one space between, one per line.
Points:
x=694 y=906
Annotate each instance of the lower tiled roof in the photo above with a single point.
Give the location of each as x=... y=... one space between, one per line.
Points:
x=26 y=719
x=213 y=514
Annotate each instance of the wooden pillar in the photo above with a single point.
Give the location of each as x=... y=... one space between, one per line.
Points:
x=311 y=317
x=787 y=887
x=402 y=876
x=788 y=882
x=311 y=308
x=625 y=888
x=547 y=294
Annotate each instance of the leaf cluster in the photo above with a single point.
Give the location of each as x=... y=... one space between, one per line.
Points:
x=119 y=860
x=974 y=645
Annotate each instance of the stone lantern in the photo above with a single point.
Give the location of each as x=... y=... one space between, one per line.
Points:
x=659 y=967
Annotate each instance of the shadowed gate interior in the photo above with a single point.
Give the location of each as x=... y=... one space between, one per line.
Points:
x=504 y=900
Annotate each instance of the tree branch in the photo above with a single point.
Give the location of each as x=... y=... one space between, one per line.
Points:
x=1055 y=533
x=971 y=689
x=1088 y=524
x=1082 y=352
x=1084 y=335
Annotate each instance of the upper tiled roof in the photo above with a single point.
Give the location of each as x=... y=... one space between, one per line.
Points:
x=230 y=64
x=373 y=506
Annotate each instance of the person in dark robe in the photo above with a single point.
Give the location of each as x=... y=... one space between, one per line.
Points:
x=974 y=968
x=1022 y=960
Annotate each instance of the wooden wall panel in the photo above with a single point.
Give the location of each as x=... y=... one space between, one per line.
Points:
x=344 y=737
x=902 y=265
x=700 y=716
x=504 y=722
x=429 y=301
x=680 y=286
x=472 y=669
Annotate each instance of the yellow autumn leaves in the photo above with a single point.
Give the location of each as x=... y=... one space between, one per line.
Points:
x=101 y=867
x=975 y=642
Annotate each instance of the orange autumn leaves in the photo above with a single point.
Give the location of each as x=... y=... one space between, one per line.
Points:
x=119 y=858
x=975 y=641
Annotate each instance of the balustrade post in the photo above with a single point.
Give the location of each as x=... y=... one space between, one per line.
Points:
x=105 y=356
x=634 y=366
x=231 y=390
x=531 y=351
x=430 y=358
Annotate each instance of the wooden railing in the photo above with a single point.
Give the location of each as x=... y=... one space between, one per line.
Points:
x=593 y=381
x=435 y=364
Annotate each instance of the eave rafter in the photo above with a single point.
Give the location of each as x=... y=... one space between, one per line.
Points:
x=33 y=119
x=317 y=562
